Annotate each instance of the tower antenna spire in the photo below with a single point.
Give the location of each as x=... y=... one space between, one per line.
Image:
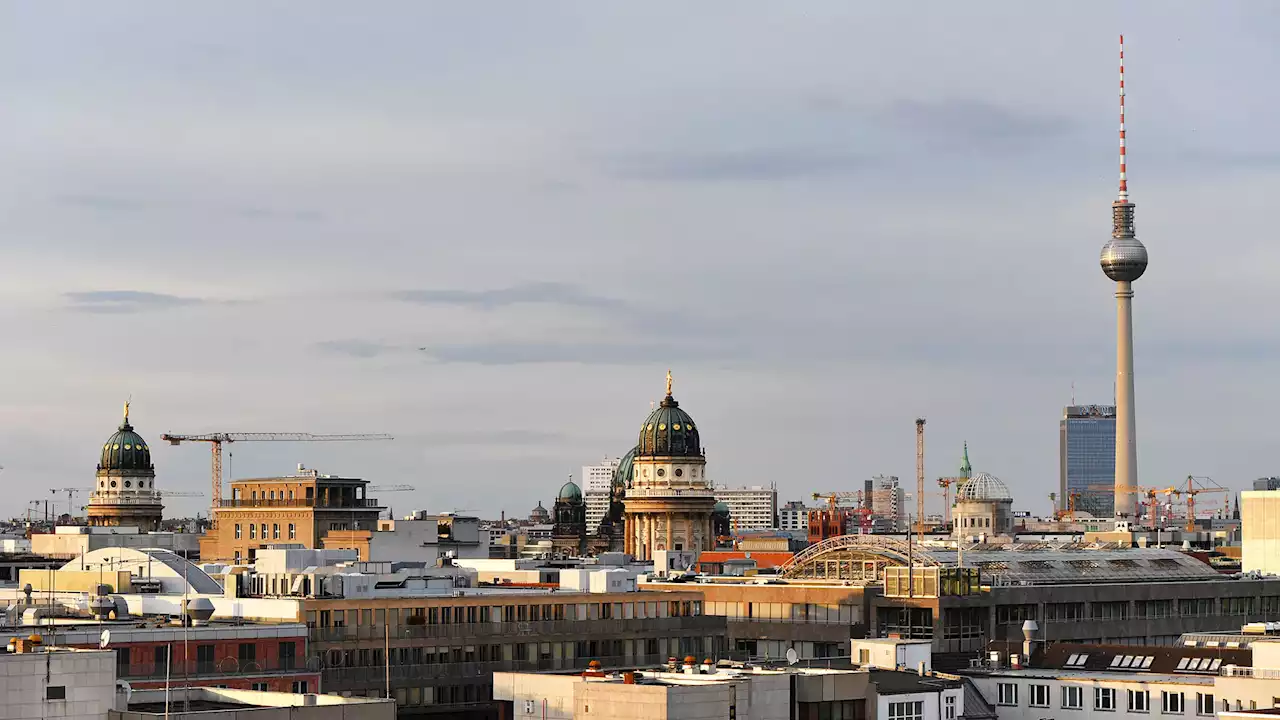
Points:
x=1123 y=195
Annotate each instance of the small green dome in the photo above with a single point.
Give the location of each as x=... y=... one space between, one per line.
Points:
x=669 y=432
x=721 y=507
x=570 y=492
x=126 y=450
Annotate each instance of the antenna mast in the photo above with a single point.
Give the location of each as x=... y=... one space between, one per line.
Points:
x=1123 y=195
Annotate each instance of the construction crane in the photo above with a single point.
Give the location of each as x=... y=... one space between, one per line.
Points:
x=216 y=441
x=1152 y=502
x=945 y=483
x=831 y=522
x=920 y=478
x=1191 y=491
x=70 y=496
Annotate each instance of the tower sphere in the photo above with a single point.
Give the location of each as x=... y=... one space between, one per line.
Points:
x=1124 y=259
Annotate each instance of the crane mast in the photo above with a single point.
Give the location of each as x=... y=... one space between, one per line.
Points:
x=919 y=478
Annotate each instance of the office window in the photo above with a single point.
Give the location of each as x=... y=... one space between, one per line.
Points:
x=293 y=533
x=237 y=558
x=1171 y=703
x=1104 y=698
x=1139 y=701
x=1008 y=694
x=299 y=687
x=55 y=692
x=949 y=704
x=273 y=494
x=253 y=531
x=864 y=656
x=162 y=658
x=237 y=531
x=248 y=652
x=264 y=531
x=260 y=687
x=906 y=710
x=275 y=531
x=204 y=659
x=1040 y=696
x=1204 y=704
x=288 y=654
x=1072 y=697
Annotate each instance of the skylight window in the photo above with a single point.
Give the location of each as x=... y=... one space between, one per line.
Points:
x=1182 y=664
x=1146 y=661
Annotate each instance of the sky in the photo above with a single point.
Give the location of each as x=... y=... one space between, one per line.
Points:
x=490 y=229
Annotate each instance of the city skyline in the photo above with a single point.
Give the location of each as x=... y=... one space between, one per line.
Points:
x=260 y=234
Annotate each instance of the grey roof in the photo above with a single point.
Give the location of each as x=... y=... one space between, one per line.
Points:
x=976 y=706
x=1053 y=564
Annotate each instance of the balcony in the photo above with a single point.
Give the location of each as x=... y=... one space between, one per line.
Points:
x=352 y=678
x=112 y=497
x=333 y=504
x=227 y=667
x=529 y=629
x=662 y=492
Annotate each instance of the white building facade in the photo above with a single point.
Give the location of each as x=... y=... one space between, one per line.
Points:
x=794 y=516
x=597 y=481
x=752 y=508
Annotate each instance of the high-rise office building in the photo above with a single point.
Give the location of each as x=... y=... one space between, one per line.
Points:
x=596 y=485
x=1087 y=456
x=751 y=508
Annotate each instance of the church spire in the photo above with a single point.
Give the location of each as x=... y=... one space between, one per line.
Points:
x=966 y=470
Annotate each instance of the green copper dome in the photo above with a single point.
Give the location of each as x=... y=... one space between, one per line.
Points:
x=669 y=431
x=125 y=450
x=721 y=508
x=570 y=492
x=625 y=471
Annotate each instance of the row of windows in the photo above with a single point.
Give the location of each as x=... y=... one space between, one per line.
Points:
x=275 y=531
x=820 y=613
x=468 y=614
x=1124 y=610
x=1104 y=698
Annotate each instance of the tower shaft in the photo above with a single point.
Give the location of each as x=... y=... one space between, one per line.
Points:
x=1126 y=423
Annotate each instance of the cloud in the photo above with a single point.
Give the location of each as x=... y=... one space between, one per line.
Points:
x=509 y=437
x=125 y=301
x=755 y=164
x=125 y=204
x=529 y=293
x=972 y=121
x=357 y=348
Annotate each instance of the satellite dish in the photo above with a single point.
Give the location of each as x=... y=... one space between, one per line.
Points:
x=792 y=656
x=105 y=639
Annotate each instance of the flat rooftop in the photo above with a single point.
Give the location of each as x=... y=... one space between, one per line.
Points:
x=246 y=703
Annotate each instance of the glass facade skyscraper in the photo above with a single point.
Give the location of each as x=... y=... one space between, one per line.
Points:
x=1087 y=452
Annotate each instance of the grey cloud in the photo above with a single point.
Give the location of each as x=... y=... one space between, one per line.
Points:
x=529 y=293
x=588 y=353
x=493 y=438
x=755 y=164
x=124 y=204
x=125 y=301
x=974 y=121
x=356 y=348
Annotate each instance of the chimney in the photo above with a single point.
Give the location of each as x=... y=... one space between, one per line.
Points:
x=1029 y=630
x=920 y=668
x=690 y=665
x=1015 y=662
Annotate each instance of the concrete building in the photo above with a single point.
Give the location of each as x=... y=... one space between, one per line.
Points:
x=750 y=508
x=794 y=516
x=597 y=488
x=303 y=508
x=124 y=493
x=38 y=682
x=697 y=690
x=1260 y=531
x=669 y=501
x=204 y=703
x=887 y=502
x=426 y=537
x=68 y=541
x=1087 y=459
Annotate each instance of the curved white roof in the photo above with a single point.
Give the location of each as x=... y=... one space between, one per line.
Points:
x=175 y=574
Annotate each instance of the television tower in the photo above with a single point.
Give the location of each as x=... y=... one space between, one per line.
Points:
x=1124 y=259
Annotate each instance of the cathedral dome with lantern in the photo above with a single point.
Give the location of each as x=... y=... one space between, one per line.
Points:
x=669 y=431
x=125 y=493
x=669 y=500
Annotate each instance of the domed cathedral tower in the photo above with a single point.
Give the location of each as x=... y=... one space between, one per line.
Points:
x=569 y=528
x=125 y=493
x=669 y=503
